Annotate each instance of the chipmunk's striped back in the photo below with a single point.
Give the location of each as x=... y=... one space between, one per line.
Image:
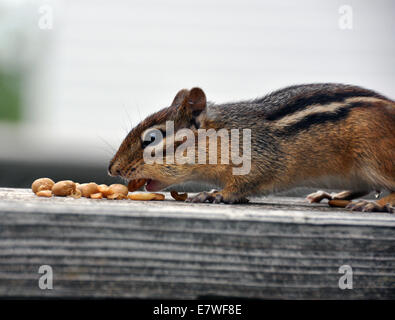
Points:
x=298 y=108
x=293 y=99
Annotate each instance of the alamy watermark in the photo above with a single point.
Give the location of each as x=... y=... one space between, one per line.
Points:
x=346 y=17
x=345 y=281
x=195 y=147
x=45 y=281
x=45 y=19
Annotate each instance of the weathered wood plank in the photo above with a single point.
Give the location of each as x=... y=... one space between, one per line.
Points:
x=272 y=248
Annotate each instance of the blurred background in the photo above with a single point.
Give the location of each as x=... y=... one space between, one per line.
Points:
x=76 y=76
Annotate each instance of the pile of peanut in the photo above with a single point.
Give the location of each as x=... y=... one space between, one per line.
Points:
x=46 y=187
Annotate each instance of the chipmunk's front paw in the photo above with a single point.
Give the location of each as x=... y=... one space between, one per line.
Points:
x=203 y=197
x=316 y=197
x=216 y=197
x=370 y=206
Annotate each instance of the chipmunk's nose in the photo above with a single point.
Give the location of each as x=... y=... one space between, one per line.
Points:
x=113 y=169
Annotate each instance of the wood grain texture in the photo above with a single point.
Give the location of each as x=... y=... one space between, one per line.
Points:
x=281 y=248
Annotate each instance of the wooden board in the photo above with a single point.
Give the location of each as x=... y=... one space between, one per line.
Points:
x=274 y=247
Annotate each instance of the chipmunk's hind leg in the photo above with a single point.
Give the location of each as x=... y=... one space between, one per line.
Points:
x=386 y=204
x=344 y=195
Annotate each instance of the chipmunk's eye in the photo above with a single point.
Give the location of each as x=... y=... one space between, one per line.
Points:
x=152 y=137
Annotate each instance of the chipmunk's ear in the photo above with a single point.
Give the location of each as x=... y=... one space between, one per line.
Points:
x=180 y=97
x=196 y=101
x=191 y=101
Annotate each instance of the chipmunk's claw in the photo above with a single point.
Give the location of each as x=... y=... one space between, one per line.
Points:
x=369 y=206
x=214 y=197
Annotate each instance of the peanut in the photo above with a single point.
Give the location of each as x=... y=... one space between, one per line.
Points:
x=76 y=194
x=42 y=184
x=179 y=197
x=98 y=195
x=44 y=193
x=338 y=203
x=134 y=185
x=63 y=188
x=105 y=190
x=146 y=196
x=88 y=188
x=119 y=189
x=116 y=196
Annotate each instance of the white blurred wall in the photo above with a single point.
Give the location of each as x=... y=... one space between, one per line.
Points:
x=107 y=64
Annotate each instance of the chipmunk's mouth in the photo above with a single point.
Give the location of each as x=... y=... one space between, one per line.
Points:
x=154 y=185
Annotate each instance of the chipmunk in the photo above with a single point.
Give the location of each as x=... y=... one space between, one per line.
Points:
x=322 y=135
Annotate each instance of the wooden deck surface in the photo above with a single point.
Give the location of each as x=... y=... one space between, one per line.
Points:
x=274 y=247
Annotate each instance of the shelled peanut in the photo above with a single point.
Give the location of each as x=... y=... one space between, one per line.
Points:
x=44 y=193
x=43 y=184
x=64 y=188
x=146 y=196
x=338 y=203
x=88 y=188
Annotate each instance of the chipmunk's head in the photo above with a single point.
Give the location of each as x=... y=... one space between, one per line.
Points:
x=130 y=162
